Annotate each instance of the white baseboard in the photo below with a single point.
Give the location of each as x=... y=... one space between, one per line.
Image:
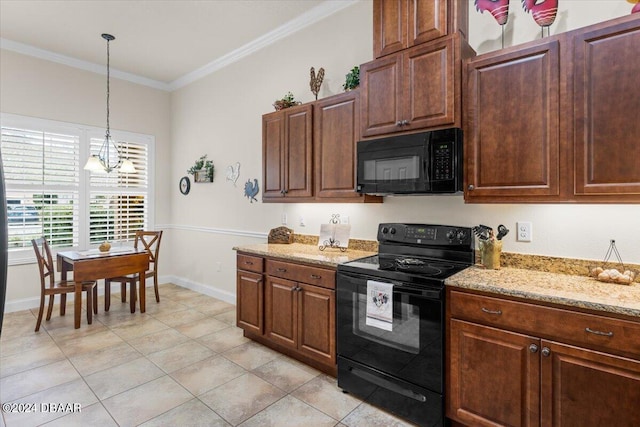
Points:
x=34 y=302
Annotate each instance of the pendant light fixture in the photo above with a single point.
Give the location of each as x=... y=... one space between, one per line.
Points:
x=101 y=162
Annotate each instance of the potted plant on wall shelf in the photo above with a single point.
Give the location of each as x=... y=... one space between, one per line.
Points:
x=202 y=170
x=352 y=79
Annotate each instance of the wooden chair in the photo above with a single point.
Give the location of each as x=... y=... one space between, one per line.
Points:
x=151 y=242
x=61 y=287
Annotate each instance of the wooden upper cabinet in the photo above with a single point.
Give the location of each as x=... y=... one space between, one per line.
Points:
x=606 y=103
x=336 y=132
x=415 y=89
x=287 y=154
x=512 y=123
x=401 y=24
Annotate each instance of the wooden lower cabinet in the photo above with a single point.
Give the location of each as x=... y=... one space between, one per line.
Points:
x=249 y=288
x=498 y=377
x=289 y=315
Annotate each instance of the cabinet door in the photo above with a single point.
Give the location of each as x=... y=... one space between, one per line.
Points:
x=427 y=20
x=336 y=132
x=281 y=305
x=494 y=376
x=430 y=81
x=317 y=323
x=381 y=94
x=250 y=303
x=512 y=132
x=606 y=105
x=298 y=152
x=389 y=26
x=272 y=155
x=587 y=388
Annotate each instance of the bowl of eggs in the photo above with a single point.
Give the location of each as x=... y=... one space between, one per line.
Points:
x=613 y=275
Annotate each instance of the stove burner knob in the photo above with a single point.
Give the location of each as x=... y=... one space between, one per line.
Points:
x=392 y=230
x=451 y=235
x=384 y=230
x=461 y=235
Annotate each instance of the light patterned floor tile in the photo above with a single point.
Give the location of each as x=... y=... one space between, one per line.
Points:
x=251 y=355
x=104 y=358
x=182 y=355
x=147 y=401
x=366 y=415
x=289 y=412
x=228 y=317
x=283 y=374
x=241 y=398
x=139 y=328
x=123 y=377
x=20 y=362
x=24 y=343
x=180 y=317
x=158 y=341
x=191 y=414
x=212 y=307
x=323 y=393
x=224 y=339
x=201 y=327
x=35 y=380
x=207 y=374
x=78 y=345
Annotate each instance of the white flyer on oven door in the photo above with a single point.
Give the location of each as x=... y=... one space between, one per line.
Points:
x=380 y=305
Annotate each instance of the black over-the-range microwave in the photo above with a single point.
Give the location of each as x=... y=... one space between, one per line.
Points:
x=420 y=163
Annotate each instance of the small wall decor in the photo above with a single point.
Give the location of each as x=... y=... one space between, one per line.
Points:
x=543 y=12
x=251 y=190
x=316 y=81
x=202 y=170
x=499 y=9
x=334 y=234
x=287 y=101
x=352 y=79
x=636 y=8
x=233 y=173
x=185 y=185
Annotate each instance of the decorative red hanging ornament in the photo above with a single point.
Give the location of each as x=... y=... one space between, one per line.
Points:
x=543 y=12
x=499 y=9
x=636 y=8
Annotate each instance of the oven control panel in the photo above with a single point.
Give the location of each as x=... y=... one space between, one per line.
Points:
x=425 y=234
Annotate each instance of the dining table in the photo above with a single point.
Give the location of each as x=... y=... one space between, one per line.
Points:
x=93 y=265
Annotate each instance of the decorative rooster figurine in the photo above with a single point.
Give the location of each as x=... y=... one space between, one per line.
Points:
x=499 y=9
x=543 y=11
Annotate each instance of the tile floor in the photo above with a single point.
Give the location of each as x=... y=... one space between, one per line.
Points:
x=182 y=363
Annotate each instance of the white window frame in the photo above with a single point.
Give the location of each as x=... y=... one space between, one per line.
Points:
x=26 y=255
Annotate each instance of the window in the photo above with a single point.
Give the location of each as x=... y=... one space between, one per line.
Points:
x=50 y=194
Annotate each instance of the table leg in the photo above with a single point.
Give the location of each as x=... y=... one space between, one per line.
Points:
x=77 y=309
x=143 y=291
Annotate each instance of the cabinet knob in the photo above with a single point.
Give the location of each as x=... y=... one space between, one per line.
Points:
x=471 y=187
x=545 y=351
x=533 y=348
x=294 y=288
x=405 y=122
x=398 y=123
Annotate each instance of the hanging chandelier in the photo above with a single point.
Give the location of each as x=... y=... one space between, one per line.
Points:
x=101 y=162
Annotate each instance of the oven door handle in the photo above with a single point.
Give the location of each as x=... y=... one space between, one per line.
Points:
x=381 y=382
x=424 y=293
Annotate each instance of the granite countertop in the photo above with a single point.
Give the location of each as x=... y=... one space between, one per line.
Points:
x=309 y=254
x=563 y=289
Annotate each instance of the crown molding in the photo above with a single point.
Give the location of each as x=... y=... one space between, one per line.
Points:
x=318 y=13
x=47 y=55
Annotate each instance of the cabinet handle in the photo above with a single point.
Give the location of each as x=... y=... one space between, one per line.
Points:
x=294 y=288
x=298 y=289
x=471 y=187
x=248 y=262
x=604 y=334
x=486 y=310
x=281 y=270
x=533 y=348
x=315 y=276
x=545 y=351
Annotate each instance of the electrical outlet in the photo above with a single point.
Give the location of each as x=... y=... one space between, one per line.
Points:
x=283 y=220
x=302 y=224
x=525 y=231
x=344 y=220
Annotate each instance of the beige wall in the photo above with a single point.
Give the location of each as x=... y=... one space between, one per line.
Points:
x=37 y=88
x=220 y=115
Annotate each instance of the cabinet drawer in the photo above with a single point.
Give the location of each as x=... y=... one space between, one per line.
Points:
x=250 y=263
x=588 y=330
x=302 y=273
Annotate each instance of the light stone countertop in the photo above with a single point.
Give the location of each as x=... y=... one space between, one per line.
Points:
x=309 y=254
x=563 y=289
